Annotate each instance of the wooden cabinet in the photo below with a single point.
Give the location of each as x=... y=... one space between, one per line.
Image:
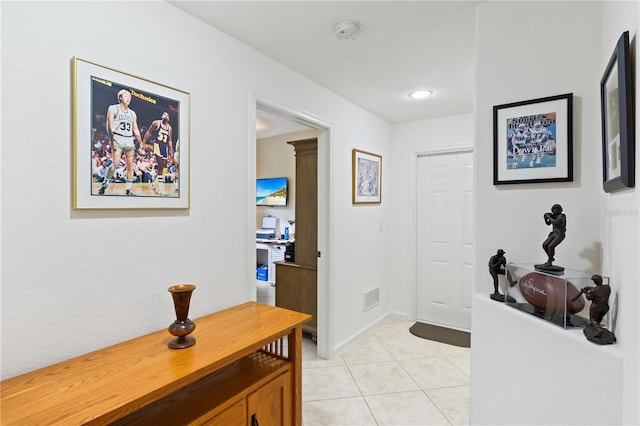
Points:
x=270 y=405
x=306 y=191
x=246 y=364
x=296 y=282
x=296 y=289
x=236 y=415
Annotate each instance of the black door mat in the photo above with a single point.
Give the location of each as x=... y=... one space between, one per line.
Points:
x=441 y=334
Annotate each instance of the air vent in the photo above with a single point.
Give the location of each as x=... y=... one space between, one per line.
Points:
x=371 y=298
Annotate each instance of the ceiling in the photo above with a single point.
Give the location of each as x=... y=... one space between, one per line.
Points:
x=270 y=124
x=403 y=46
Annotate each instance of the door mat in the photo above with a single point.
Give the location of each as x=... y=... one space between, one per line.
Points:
x=441 y=334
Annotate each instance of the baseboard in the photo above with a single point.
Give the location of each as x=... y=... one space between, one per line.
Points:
x=346 y=343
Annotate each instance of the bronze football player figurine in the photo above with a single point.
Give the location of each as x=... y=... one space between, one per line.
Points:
x=558 y=222
x=496 y=267
x=599 y=297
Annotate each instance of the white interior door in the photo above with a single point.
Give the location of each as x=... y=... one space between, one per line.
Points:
x=444 y=239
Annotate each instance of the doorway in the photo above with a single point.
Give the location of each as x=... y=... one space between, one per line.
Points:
x=324 y=333
x=444 y=243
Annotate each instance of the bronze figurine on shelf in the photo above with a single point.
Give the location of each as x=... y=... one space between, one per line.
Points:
x=599 y=297
x=558 y=222
x=496 y=267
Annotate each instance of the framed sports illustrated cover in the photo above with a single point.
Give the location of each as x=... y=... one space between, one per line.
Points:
x=130 y=141
x=618 y=135
x=366 y=177
x=533 y=141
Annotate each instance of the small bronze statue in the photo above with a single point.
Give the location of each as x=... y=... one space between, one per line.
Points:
x=558 y=222
x=599 y=297
x=496 y=263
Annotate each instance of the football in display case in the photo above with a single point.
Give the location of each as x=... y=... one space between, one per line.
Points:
x=558 y=299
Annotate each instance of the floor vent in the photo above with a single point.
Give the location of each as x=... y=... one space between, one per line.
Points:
x=371 y=298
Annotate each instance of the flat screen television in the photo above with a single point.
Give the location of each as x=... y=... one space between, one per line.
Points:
x=271 y=192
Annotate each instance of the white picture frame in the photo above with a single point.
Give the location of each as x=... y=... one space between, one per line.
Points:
x=95 y=87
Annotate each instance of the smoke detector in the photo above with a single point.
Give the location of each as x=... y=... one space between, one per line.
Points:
x=348 y=30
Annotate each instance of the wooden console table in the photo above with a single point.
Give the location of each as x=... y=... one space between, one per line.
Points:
x=244 y=367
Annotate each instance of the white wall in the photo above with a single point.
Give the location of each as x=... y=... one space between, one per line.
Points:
x=361 y=233
x=526 y=371
x=620 y=223
x=531 y=65
x=74 y=281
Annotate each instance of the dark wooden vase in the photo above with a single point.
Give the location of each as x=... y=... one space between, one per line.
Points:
x=182 y=326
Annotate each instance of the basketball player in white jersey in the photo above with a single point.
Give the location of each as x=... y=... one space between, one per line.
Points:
x=122 y=127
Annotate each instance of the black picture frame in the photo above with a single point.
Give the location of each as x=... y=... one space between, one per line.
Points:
x=618 y=134
x=533 y=141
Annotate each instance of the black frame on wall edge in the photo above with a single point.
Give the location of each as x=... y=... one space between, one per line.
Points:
x=616 y=96
x=556 y=111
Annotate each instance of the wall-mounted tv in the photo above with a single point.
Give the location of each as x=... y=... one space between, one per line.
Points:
x=271 y=192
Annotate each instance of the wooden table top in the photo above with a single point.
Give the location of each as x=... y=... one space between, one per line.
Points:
x=123 y=377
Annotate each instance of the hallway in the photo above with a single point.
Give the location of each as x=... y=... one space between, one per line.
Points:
x=387 y=377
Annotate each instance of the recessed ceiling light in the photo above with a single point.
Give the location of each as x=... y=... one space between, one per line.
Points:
x=261 y=124
x=420 y=94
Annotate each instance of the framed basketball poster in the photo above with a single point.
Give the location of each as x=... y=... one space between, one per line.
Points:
x=130 y=141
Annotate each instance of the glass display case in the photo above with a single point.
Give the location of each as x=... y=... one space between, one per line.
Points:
x=556 y=298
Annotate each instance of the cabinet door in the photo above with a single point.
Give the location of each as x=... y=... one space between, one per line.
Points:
x=271 y=404
x=297 y=289
x=236 y=415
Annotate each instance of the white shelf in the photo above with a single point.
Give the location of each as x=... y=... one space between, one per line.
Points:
x=268 y=254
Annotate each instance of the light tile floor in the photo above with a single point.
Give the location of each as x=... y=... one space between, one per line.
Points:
x=387 y=377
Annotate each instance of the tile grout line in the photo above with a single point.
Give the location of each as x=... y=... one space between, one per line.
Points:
x=377 y=339
x=373 y=416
